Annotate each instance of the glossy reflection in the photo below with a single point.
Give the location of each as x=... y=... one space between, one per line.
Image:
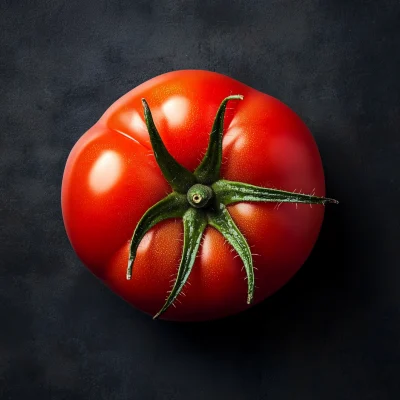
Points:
x=233 y=135
x=176 y=110
x=105 y=172
x=137 y=123
x=207 y=248
x=146 y=242
x=246 y=210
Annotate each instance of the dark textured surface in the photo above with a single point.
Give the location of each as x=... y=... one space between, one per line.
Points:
x=333 y=332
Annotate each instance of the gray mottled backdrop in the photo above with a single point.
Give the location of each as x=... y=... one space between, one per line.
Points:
x=333 y=332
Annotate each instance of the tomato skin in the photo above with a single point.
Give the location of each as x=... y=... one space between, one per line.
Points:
x=111 y=179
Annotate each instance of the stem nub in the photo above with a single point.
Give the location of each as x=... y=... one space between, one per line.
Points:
x=199 y=195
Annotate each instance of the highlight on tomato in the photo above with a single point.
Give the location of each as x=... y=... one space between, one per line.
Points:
x=194 y=196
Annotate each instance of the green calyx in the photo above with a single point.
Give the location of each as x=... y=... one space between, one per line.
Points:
x=200 y=199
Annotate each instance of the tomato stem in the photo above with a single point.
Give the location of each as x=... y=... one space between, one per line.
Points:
x=177 y=176
x=194 y=223
x=209 y=169
x=223 y=222
x=172 y=206
x=200 y=199
x=229 y=192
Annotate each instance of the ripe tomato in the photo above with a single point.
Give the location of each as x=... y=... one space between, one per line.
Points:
x=112 y=178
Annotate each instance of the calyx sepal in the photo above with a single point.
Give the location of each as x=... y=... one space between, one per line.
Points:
x=200 y=199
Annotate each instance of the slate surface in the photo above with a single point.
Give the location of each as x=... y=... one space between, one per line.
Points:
x=333 y=332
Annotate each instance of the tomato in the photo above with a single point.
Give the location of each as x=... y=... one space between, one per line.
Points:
x=112 y=178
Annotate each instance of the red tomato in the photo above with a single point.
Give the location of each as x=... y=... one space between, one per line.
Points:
x=111 y=179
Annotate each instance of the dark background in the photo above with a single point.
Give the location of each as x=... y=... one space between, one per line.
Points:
x=333 y=332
